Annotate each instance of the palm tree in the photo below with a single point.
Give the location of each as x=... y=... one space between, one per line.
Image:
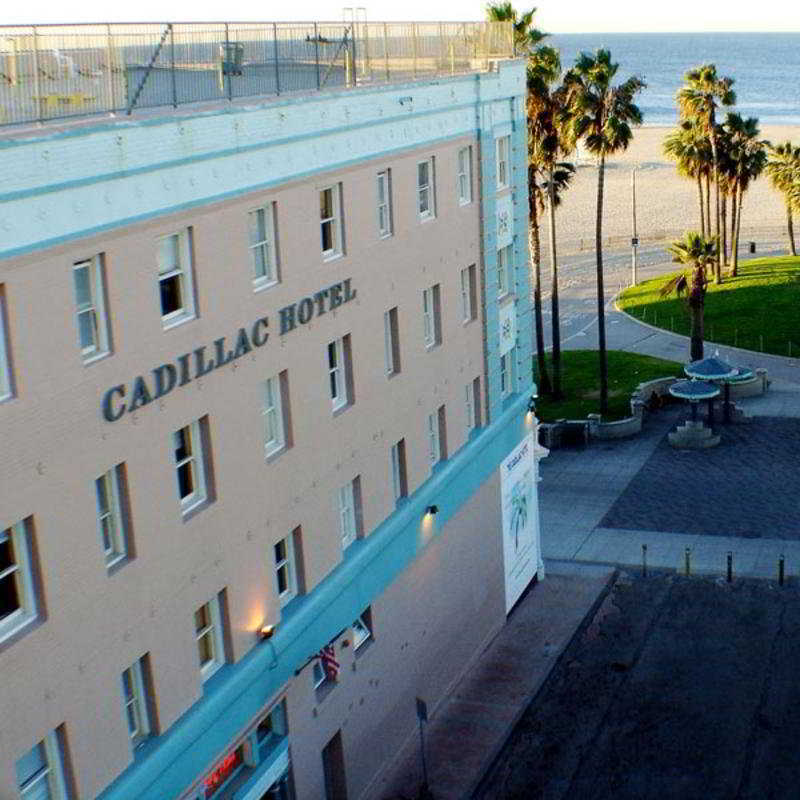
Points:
x=748 y=158
x=699 y=251
x=698 y=100
x=526 y=37
x=547 y=143
x=783 y=169
x=688 y=146
x=601 y=114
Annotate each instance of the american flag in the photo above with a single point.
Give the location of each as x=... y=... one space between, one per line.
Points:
x=329 y=663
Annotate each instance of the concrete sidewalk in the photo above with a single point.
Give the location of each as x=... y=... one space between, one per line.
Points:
x=473 y=723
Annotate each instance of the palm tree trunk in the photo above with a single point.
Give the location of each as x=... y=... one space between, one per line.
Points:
x=700 y=193
x=723 y=223
x=696 y=303
x=536 y=256
x=790 y=229
x=717 y=263
x=708 y=203
x=734 y=238
x=601 y=320
x=551 y=192
x=737 y=229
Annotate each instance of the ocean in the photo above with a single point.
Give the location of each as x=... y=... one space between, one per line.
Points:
x=765 y=66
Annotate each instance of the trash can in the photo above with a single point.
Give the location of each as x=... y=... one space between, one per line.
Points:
x=752 y=247
x=231 y=56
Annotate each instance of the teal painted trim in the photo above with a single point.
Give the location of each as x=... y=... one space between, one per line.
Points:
x=192 y=745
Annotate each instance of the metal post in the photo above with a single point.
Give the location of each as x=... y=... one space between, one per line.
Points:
x=729 y=571
x=781 y=569
x=37 y=84
x=442 y=52
x=634 y=240
x=226 y=60
x=644 y=560
x=386 y=50
x=687 y=561
x=414 y=45
x=172 y=65
x=367 y=72
x=110 y=70
x=422 y=753
x=316 y=52
x=277 y=72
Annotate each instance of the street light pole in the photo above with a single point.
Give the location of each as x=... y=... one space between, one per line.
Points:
x=635 y=239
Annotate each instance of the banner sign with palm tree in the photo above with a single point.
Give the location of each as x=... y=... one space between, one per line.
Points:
x=520 y=519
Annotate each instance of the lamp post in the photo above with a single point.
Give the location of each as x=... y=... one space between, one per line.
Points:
x=635 y=239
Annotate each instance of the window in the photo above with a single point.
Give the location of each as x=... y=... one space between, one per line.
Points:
x=391 y=341
x=340 y=372
x=110 y=517
x=273 y=728
x=261 y=225
x=208 y=634
x=426 y=191
x=286 y=569
x=188 y=445
x=399 y=476
x=431 y=316
x=385 y=203
x=40 y=772
x=276 y=393
x=437 y=436
x=90 y=308
x=505 y=259
x=330 y=216
x=17 y=595
x=318 y=675
x=506 y=373
x=175 y=278
x=349 y=505
x=362 y=628
x=472 y=402
x=503 y=145
x=469 y=291
x=135 y=698
x=6 y=386
x=465 y=176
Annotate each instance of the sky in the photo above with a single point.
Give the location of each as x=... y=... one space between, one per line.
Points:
x=554 y=16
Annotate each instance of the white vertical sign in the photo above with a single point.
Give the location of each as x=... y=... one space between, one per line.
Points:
x=520 y=501
x=505 y=221
x=508 y=327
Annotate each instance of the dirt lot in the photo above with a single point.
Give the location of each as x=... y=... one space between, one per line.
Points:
x=676 y=688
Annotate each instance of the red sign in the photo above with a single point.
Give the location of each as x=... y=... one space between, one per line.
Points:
x=223 y=771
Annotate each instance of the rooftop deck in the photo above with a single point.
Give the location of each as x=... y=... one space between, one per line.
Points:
x=55 y=72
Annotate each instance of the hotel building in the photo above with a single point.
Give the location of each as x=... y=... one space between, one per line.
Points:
x=267 y=475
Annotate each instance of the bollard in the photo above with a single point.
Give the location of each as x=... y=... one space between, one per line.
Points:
x=687 y=561
x=752 y=247
x=644 y=560
x=729 y=574
x=781 y=569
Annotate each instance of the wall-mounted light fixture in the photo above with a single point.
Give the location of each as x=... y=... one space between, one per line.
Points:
x=432 y=510
x=265 y=632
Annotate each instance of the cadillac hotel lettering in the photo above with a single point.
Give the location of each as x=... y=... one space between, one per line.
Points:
x=202 y=360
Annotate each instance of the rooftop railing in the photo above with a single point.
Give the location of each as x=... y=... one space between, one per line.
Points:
x=57 y=71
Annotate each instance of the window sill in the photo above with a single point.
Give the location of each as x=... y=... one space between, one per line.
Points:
x=95 y=357
x=322 y=690
x=331 y=256
x=261 y=285
x=426 y=218
x=6 y=397
x=502 y=187
x=11 y=633
x=117 y=563
x=386 y=235
x=431 y=346
x=363 y=648
x=209 y=671
x=340 y=409
x=465 y=322
x=271 y=455
x=462 y=203
x=194 y=509
x=167 y=323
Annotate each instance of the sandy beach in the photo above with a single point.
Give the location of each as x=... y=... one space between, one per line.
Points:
x=666 y=204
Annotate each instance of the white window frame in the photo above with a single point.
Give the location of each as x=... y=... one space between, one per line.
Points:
x=506 y=373
x=110 y=520
x=426 y=190
x=286 y=563
x=469 y=404
x=263 y=253
x=20 y=571
x=434 y=442
x=272 y=413
x=502 y=151
x=464 y=177
x=389 y=343
x=6 y=385
x=213 y=630
x=318 y=674
x=135 y=705
x=195 y=461
x=347 y=514
x=384 y=203
x=428 y=318
x=362 y=631
x=467 y=311
x=334 y=221
x=505 y=260
x=51 y=773
x=94 y=309
x=337 y=373
x=184 y=272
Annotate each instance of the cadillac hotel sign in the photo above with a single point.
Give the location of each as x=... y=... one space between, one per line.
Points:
x=199 y=362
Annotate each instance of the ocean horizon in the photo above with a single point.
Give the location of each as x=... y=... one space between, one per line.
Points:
x=763 y=65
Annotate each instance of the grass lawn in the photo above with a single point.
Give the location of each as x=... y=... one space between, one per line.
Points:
x=581 y=383
x=757 y=310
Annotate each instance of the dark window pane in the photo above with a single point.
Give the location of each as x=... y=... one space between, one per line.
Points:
x=171 y=295
x=9 y=598
x=185 y=480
